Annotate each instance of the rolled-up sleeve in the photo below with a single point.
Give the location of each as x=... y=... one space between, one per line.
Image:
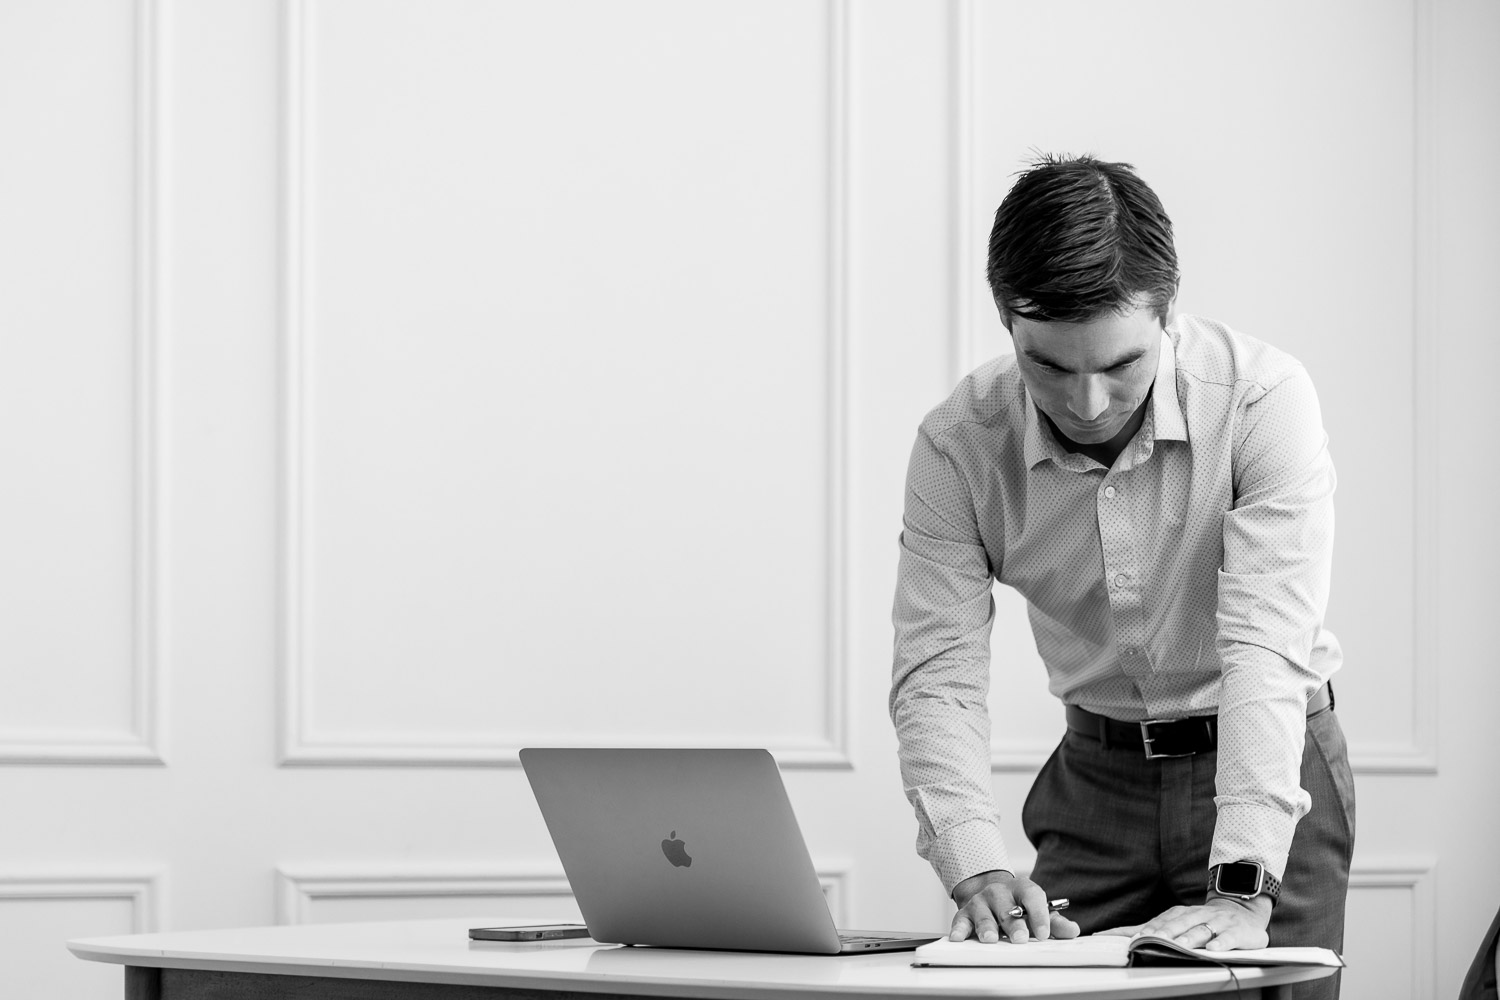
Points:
x=940 y=677
x=1273 y=592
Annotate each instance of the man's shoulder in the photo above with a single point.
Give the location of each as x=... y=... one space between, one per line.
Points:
x=985 y=399
x=1212 y=353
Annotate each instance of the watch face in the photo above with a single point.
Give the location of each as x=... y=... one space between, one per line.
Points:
x=1240 y=878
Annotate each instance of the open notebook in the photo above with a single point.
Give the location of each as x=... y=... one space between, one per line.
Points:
x=1109 y=950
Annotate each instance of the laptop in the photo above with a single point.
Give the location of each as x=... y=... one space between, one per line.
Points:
x=689 y=848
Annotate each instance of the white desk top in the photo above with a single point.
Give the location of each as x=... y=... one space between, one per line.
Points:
x=439 y=951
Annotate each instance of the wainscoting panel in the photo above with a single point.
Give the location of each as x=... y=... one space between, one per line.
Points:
x=38 y=913
x=556 y=509
x=81 y=520
x=1389 y=931
x=333 y=894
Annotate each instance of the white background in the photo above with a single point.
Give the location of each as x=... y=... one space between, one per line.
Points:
x=388 y=385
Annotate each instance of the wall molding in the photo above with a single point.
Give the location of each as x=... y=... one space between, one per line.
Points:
x=1019 y=756
x=1416 y=876
x=299 y=741
x=1419 y=754
x=143 y=890
x=142 y=742
x=298 y=887
x=964 y=348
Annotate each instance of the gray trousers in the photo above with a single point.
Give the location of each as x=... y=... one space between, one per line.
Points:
x=1125 y=838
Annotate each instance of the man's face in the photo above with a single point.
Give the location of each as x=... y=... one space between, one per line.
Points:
x=1089 y=377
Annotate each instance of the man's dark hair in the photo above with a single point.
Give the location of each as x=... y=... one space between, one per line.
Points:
x=1076 y=237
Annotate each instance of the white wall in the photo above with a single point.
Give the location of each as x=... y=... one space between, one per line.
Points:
x=390 y=385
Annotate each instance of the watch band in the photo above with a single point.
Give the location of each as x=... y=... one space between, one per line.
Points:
x=1270 y=885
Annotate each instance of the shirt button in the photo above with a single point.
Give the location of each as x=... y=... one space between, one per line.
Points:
x=1109 y=492
x=1120 y=580
x=1129 y=650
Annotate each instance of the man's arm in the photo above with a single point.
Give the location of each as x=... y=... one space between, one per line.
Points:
x=940 y=675
x=1273 y=591
x=939 y=687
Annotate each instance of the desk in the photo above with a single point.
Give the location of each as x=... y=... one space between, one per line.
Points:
x=435 y=960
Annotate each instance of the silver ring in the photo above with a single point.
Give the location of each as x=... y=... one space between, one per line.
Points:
x=1211 y=932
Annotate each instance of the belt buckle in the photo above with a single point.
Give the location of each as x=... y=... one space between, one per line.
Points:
x=1147 y=739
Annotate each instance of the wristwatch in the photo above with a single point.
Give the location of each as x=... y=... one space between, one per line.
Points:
x=1244 y=880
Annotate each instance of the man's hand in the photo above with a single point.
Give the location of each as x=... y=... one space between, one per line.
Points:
x=1222 y=923
x=984 y=902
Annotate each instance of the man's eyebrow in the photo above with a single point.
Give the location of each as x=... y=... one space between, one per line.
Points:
x=1039 y=358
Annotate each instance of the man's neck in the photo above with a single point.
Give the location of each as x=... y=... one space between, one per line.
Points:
x=1106 y=452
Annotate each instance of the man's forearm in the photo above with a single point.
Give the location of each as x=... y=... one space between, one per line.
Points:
x=1262 y=730
x=945 y=768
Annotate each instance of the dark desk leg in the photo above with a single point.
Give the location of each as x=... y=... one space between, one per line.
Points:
x=142 y=983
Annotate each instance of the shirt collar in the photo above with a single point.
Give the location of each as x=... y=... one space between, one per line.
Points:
x=1037 y=444
x=1166 y=411
x=1164 y=422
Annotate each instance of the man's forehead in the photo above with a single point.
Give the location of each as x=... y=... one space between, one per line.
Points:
x=1091 y=345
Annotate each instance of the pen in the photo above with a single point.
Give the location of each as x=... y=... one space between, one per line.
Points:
x=1052 y=907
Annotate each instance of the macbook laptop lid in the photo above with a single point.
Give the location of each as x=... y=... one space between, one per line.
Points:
x=688 y=848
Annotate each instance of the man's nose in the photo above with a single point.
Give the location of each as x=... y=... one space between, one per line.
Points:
x=1088 y=397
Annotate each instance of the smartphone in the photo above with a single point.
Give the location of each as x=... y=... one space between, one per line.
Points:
x=531 y=932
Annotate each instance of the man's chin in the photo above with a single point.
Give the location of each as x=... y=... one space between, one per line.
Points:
x=1094 y=434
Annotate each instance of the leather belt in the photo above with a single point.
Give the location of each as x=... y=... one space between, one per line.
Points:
x=1166 y=737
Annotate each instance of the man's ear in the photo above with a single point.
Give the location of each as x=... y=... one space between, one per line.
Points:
x=1171 y=312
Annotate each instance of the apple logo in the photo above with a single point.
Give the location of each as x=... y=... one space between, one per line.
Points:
x=676 y=852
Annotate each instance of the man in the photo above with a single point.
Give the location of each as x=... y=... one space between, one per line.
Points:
x=1159 y=490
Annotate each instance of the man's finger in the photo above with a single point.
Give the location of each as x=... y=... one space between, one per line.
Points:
x=1062 y=927
x=988 y=909
x=984 y=927
x=1015 y=929
x=1239 y=935
x=1033 y=902
x=1194 y=926
x=1199 y=935
x=1185 y=930
x=1170 y=923
x=960 y=929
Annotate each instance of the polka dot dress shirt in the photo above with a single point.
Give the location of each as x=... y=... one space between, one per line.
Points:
x=1189 y=578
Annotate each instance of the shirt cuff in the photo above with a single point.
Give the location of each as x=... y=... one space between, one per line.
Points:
x=967 y=849
x=1246 y=831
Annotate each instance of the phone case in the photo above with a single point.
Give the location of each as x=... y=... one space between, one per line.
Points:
x=546 y=932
